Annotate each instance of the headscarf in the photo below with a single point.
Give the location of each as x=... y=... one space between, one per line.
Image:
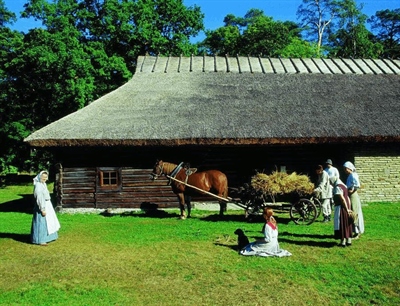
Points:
x=335 y=181
x=350 y=166
x=36 y=179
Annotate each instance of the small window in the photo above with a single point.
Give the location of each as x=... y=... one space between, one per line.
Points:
x=109 y=179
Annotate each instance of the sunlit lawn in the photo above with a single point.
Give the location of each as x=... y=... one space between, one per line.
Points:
x=138 y=259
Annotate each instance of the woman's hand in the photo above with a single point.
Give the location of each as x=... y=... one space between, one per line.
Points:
x=43 y=213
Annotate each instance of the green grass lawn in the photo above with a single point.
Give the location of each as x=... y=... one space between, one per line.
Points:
x=138 y=259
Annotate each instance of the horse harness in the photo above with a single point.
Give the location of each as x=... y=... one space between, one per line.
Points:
x=188 y=171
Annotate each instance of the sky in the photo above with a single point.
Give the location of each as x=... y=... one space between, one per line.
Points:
x=216 y=10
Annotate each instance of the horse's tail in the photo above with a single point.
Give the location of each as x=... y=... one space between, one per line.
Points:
x=223 y=204
x=225 y=192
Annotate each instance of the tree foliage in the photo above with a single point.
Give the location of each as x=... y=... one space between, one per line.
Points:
x=87 y=48
x=84 y=49
x=12 y=127
x=387 y=23
x=256 y=34
x=351 y=37
x=316 y=17
x=224 y=40
x=266 y=36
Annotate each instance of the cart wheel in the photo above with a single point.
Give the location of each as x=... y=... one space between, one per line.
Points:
x=251 y=210
x=318 y=205
x=303 y=212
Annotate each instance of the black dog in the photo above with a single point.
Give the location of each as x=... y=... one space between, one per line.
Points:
x=242 y=238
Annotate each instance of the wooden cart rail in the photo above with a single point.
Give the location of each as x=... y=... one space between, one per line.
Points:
x=199 y=189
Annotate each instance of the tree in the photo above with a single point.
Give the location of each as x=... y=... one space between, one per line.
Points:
x=316 y=17
x=166 y=27
x=256 y=34
x=84 y=49
x=387 y=23
x=12 y=129
x=299 y=48
x=352 y=38
x=126 y=28
x=266 y=36
x=357 y=42
x=224 y=40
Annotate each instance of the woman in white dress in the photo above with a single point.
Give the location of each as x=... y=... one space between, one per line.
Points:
x=268 y=246
x=45 y=224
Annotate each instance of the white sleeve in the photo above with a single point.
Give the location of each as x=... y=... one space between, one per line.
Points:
x=40 y=196
x=267 y=233
x=336 y=173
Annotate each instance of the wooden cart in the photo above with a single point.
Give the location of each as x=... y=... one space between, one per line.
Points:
x=302 y=211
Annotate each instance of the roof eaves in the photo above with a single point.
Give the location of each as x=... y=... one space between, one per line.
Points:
x=209 y=141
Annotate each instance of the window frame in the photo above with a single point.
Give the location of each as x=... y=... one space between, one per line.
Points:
x=100 y=179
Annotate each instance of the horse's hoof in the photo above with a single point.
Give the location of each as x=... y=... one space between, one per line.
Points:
x=182 y=217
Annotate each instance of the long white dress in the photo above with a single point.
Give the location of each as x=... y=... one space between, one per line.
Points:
x=44 y=229
x=269 y=246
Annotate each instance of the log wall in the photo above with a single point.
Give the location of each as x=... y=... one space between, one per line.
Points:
x=77 y=181
x=77 y=187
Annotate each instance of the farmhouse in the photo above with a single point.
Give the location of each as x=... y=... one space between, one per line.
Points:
x=235 y=114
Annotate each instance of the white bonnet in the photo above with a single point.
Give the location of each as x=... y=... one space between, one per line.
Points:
x=349 y=165
x=37 y=177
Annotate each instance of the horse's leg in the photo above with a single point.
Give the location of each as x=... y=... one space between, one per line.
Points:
x=222 y=207
x=224 y=193
x=188 y=204
x=181 y=199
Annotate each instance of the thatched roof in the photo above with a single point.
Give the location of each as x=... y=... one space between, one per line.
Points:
x=239 y=100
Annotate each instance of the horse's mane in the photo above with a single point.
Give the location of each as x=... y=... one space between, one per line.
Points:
x=168 y=167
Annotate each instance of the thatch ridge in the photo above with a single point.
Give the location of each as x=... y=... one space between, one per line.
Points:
x=242 y=64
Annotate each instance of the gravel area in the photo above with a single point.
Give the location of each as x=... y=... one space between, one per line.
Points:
x=195 y=205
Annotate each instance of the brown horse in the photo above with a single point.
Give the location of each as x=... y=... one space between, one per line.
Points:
x=212 y=181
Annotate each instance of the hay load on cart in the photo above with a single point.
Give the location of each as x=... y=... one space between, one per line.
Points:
x=270 y=190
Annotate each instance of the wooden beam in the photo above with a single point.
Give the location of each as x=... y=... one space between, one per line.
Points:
x=199 y=189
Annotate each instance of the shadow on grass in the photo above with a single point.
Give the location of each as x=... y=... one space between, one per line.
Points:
x=242 y=218
x=315 y=243
x=314 y=236
x=227 y=218
x=148 y=210
x=281 y=219
x=232 y=247
x=25 y=238
x=157 y=213
x=314 y=239
x=152 y=210
x=24 y=205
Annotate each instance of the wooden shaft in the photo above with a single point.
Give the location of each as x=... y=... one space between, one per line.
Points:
x=199 y=189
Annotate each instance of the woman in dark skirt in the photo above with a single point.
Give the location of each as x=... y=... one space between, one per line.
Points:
x=342 y=226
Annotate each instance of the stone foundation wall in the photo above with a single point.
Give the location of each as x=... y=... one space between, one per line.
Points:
x=379 y=171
